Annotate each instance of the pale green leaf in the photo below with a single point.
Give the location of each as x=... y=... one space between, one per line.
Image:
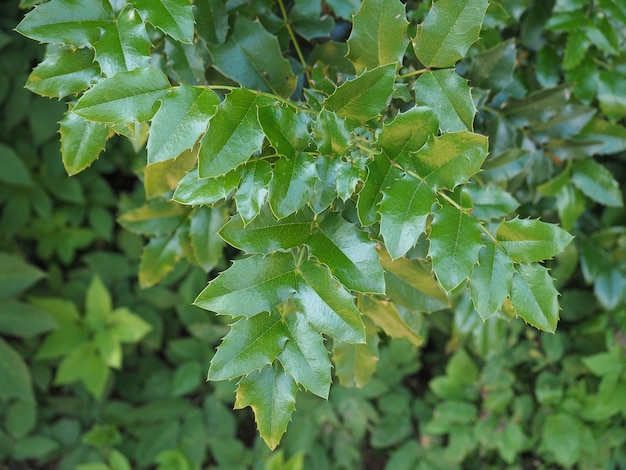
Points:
x=286 y=129
x=64 y=71
x=378 y=34
x=251 y=194
x=82 y=142
x=561 y=434
x=157 y=217
x=125 y=97
x=180 y=121
x=534 y=297
x=67 y=21
x=305 y=357
x=16 y=275
x=14 y=375
x=356 y=363
x=363 y=97
x=292 y=184
x=448 y=31
x=327 y=305
x=490 y=282
x=158 y=258
x=196 y=191
x=207 y=245
x=98 y=304
x=84 y=364
x=271 y=393
x=597 y=183
x=252 y=56
x=165 y=176
x=251 y=344
x=530 y=240
x=451 y=159
x=411 y=284
x=454 y=246
x=234 y=134
x=173 y=17
x=404 y=211
x=265 y=234
x=349 y=254
x=250 y=286
x=124 y=44
x=385 y=315
x=127 y=326
x=449 y=96
x=109 y=348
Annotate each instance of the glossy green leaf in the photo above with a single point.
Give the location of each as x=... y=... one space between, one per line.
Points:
x=292 y=184
x=490 y=281
x=16 y=275
x=380 y=175
x=64 y=71
x=326 y=191
x=207 y=245
x=125 y=97
x=411 y=284
x=252 y=192
x=385 y=315
x=331 y=134
x=349 y=254
x=404 y=211
x=67 y=22
x=14 y=375
x=234 y=134
x=305 y=357
x=180 y=121
x=200 y=191
x=327 y=305
x=124 y=44
x=448 y=31
x=363 y=97
x=252 y=56
x=449 y=96
x=173 y=17
x=156 y=217
x=489 y=202
x=250 y=286
x=271 y=393
x=451 y=159
x=286 y=129
x=527 y=240
x=378 y=34
x=534 y=297
x=265 y=234
x=82 y=142
x=454 y=246
x=356 y=363
x=597 y=183
x=158 y=258
x=251 y=344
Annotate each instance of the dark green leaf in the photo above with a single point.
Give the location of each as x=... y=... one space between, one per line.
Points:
x=349 y=254
x=67 y=22
x=454 y=246
x=378 y=34
x=362 y=98
x=265 y=234
x=286 y=129
x=211 y=21
x=527 y=241
x=252 y=57
x=491 y=202
x=271 y=393
x=493 y=68
x=82 y=142
x=305 y=357
x=380 y=175
x=292 y=184
x=14 y=375
x=612 y=94
x=125 y=97
x=251 y=344
x=490 y=282
x=207 y=245
x=124 y=44
x=14 y=171
x=186 y=63
x=181 y=119
x=331 y=134
x=16 y=275
x=251 y=194
x=173 y=17
x=23 y=320
x=327 y=305
x=250 y=286
x=64 y=72
x=534 y=297
x=611 y=136
x=200 y=191
x=449 y=96
x=234 y=134
x=448 y=31
x=309 y=21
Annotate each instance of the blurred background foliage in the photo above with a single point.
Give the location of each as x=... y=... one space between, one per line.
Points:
x=97 y=373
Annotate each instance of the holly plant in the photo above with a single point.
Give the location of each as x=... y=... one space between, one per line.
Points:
x=340 y=168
